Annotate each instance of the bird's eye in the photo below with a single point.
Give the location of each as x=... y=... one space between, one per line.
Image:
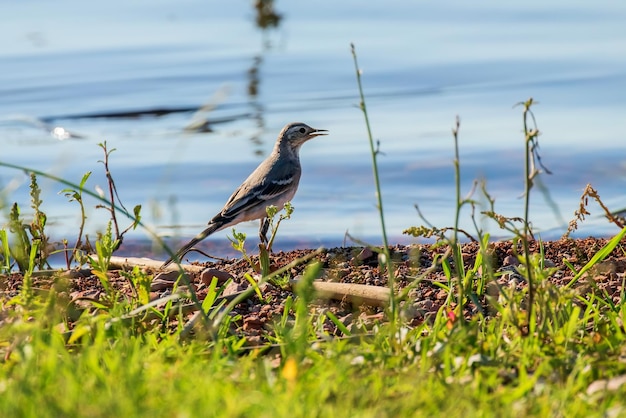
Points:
x=302 y=130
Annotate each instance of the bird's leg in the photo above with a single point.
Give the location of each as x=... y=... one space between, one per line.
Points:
x=265 y=225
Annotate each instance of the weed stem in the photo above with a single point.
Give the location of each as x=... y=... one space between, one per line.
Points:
x=374 y=150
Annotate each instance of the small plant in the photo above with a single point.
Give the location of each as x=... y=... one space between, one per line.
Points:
x=265 y=250
x=37 y=225
x=26 y=293
x=20 y=232
x=449 y=236
x=140 y=282
x=20 y=248
x=531 y=148
x=522 y=234
x=105 y=246
x=28 y=236
x=111 y=202
x=295 y=335
x=76 y=194
x=582 y=212
x=238 y=240
x=272 y=211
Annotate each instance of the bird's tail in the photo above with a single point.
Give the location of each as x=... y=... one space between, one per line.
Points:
x=185 y=249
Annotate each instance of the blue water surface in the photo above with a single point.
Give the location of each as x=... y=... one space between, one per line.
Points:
x=423 y=64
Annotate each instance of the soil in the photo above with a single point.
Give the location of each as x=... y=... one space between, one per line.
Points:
x=414 y=265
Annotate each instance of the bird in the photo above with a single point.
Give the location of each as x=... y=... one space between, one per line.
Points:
x=273 y=183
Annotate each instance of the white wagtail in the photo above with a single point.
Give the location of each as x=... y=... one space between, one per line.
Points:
x=274 y=182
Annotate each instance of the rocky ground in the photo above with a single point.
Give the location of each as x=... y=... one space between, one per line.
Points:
x=414 y=266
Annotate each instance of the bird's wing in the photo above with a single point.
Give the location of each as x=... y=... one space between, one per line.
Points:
x=250 y=198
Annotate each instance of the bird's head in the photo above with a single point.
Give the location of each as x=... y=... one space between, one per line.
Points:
x=297 y=133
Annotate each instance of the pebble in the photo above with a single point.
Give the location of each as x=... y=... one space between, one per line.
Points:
x=426 y=305
x=510 y=260
x=164 y=280
x=252 y=321
x=234 y=287
x=365 y=254
x=207 y=276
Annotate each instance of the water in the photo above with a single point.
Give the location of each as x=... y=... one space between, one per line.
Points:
x=423 y=64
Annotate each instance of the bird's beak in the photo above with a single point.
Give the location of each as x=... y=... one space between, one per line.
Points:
x=319 y=132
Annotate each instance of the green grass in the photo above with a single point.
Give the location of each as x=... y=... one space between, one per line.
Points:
x=537 y=352
x=481 y=369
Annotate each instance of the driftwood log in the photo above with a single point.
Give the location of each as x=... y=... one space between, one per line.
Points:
x=356 y=294
x=130 y=262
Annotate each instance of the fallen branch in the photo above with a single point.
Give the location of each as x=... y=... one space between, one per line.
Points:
x=357 y=294
x=130 y=262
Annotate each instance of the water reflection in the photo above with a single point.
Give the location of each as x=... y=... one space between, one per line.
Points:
x=255 y=103
x=266 y=18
